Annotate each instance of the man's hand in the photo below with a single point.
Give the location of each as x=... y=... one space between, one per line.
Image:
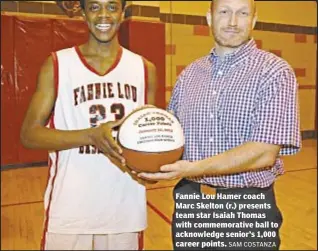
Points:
x=133 y=174
x=177 y=170
x=140 y=180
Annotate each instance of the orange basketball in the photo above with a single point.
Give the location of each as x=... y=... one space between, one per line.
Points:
x=150 y=138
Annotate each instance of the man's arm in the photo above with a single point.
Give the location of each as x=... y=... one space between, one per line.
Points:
x=250 y=156
x=34 y=134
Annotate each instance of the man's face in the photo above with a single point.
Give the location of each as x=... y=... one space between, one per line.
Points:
x=232 y=21
x=103 y=18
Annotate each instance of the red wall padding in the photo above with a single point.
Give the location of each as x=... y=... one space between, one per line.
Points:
x=9 y=128
x=67 y=33
x=32 y=44
x=148 y=39
x=26 y=43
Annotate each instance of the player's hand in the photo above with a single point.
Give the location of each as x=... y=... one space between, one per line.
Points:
x=177 y=170
x=102 y=138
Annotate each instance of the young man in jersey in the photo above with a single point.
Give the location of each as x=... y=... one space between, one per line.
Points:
x=82 y=94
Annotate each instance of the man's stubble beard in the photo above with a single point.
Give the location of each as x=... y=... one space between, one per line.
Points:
x=223 y=43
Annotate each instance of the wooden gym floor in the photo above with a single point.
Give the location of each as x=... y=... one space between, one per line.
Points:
x=22 y=207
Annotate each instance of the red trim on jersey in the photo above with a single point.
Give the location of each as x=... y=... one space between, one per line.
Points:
x=146 y=80
x=46 y=223
x=52 y=125
x=56 y=73
x=88 y=66
x=141 y=240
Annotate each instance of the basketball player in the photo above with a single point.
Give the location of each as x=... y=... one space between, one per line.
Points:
x=82 y=94
x=239 y=109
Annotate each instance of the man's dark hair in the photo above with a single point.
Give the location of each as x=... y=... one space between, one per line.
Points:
x=82 y=2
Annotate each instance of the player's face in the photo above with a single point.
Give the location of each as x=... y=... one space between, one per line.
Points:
x=232 y=21
x=103 y=18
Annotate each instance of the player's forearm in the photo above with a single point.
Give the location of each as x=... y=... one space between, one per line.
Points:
x=40 y=137
x=247 y=157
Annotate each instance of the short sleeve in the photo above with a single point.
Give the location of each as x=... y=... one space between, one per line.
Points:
x=276 y=114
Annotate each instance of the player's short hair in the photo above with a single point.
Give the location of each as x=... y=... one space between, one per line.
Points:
x=82 y=2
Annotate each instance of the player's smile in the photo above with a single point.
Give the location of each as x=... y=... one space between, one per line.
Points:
x=103 y=27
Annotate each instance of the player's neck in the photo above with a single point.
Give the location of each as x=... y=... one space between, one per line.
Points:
x=102 y=49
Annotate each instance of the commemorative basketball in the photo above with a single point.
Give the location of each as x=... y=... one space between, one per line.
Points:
x=150 y=137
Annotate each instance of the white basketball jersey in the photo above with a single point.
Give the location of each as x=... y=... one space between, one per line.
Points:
x=86 y=193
